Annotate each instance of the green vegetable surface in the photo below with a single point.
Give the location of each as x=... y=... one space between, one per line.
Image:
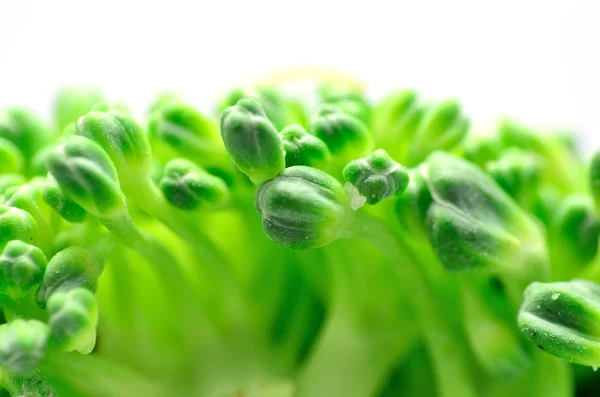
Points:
x=324 y=245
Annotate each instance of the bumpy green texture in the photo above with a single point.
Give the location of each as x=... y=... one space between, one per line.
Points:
x=442 y=127
x=346 y=99
x=252 y=141
x=185 y=130
x=16 y=224
x=395 y=121
x=303 y=208
x=187 y=253
x=302 y=148
x=73 y=319
x=58 y=201
x=23 y=345
x=481 y=149
x=574 y=232
x=562 y=319
x=121 y=137
x=377 y=176
x=517 y=172
x=280 y=109
x=561 y=165
x=410 y=130
x=188 y=186
x=21 y=268
x=71 y=268
x=346 y=136
x=86 y=173
x=474 y=225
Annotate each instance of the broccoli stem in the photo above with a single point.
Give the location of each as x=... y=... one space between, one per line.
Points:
x=148 y=198
x=166 y=266
x=442 y=341
x=353 y=355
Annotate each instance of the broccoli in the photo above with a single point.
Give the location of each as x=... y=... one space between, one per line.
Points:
x=328 y=245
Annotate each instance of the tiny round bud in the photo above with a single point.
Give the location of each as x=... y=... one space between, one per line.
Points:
x=518 y=172
x=88 y=176
x=70 y=268
x=11 y=159
x=27 y=197
x=302 y=148
x=73 y=320
x=389 y=121
x=252 y=140
x=347 y=100
x=185 y=130
x=442 y=128
x=303 y=208
x=21 y=268
x=574 y=231
x=121 y=137
x=16 y=224
x=346 y=136
x=74 y=102
x=482 y=149
x=57 y=200
x=23 y=345
x=187 y=186
x=277 y=108
x=377 y=176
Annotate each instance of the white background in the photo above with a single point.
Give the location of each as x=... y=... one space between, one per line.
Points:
x=538 y=61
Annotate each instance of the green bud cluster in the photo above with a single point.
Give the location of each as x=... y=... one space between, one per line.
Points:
x=184 y=253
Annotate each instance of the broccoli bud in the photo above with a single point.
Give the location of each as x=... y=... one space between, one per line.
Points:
x=16 y=224
x=73 y=320
x=562 y=319
x=85 y=172
x=346 y=136
x=71 y=268
x=187 y=186
x=23 y=345
x=303 y=207
x=63 y=205
x=252 y=140
x=377 y=176
x=302 y=148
